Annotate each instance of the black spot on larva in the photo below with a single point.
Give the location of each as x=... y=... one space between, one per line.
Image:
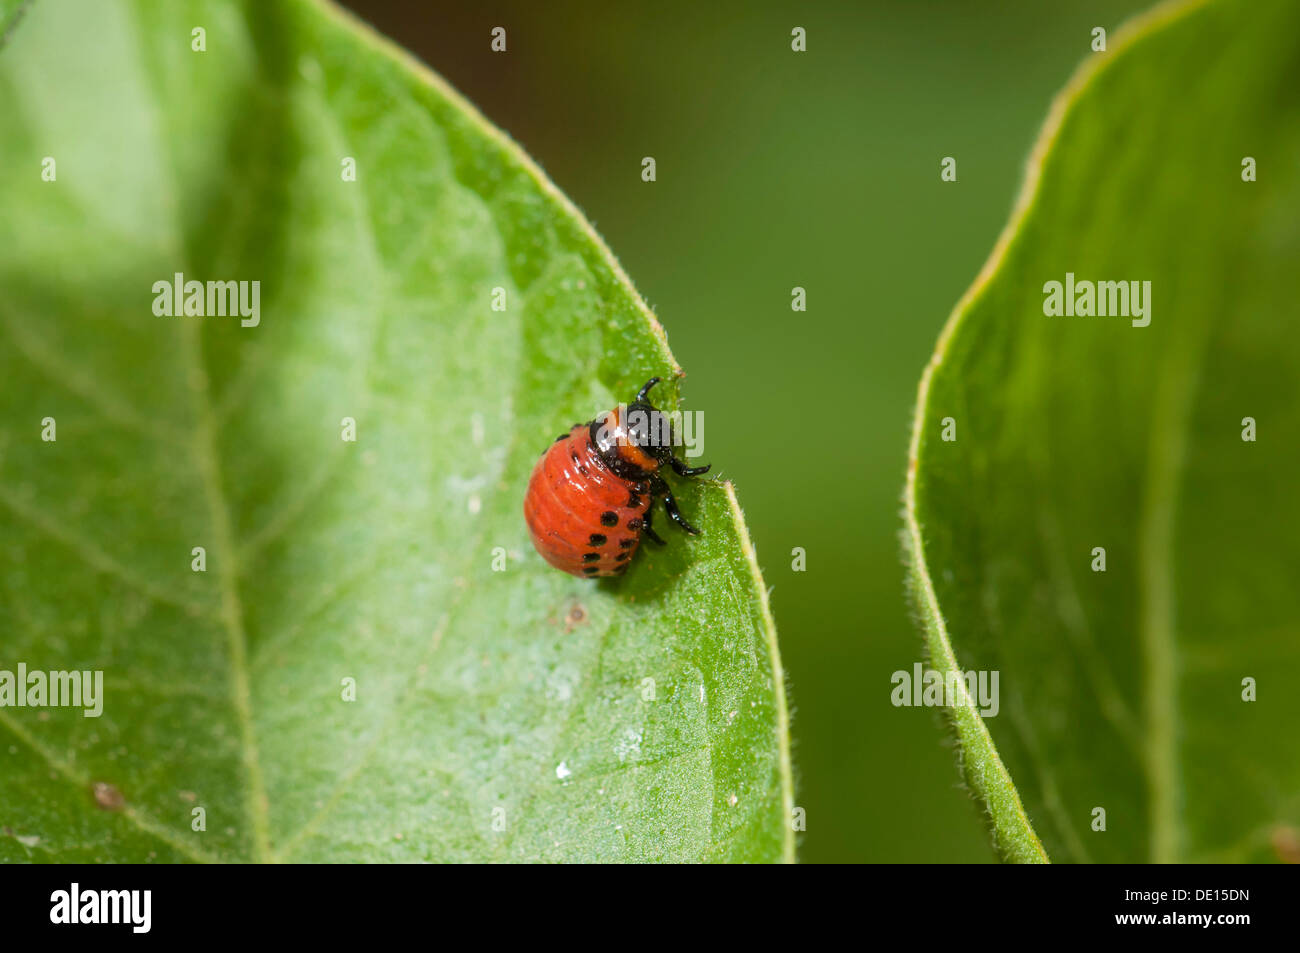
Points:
x=582 y=469
x=609 y=518
x=627 y=543
x=619 y=570
x=621 y=557
x=634 y=524
x=634 y=502
x=590 y=557
x=574 y=455
x=596 y=539
x=589 y=570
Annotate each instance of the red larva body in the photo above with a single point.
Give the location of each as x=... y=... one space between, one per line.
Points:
x=570 y=498
x=590 y=497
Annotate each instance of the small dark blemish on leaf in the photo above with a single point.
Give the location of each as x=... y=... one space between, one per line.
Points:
x=107 y=796
x=1286 y=844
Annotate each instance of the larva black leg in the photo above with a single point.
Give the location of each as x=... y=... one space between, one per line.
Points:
x=683 y=470
x=646 y=528
x=640 y=395
x=674 y=514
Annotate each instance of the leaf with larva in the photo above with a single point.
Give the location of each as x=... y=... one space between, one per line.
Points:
x=343 y=676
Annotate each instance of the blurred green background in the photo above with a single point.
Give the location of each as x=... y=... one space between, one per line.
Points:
x=777 y=169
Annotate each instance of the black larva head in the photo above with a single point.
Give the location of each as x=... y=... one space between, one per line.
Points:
x=649 y=428
x=634 y=440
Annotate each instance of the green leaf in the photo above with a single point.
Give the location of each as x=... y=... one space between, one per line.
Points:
x=1123 y=689
x=498 y=715
x=11 y=14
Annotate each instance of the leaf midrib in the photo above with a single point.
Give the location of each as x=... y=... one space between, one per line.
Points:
x=1158 y=612
x=203 y=450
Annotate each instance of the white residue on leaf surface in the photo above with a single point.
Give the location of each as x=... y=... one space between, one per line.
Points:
x=628 y=745
x=559 y=684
